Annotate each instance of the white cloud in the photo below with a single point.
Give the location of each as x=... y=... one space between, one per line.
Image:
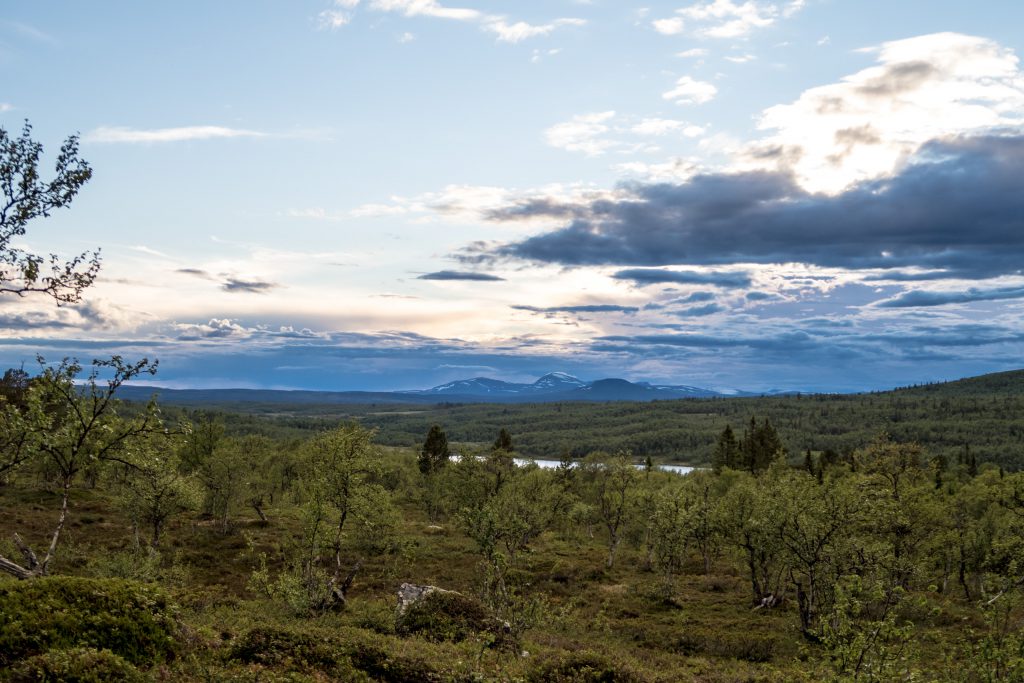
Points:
x=520 y=30
x=216 y=328
x=675 y=170
x=583 y=133
x=121 y=134
x=333 y=19
x=793 y=7
x=471 y=204
x=600 y=132
x=655 y=126
x=406 y=37
x=506 y=30
x=726 y=18
x=668 y=27
x=426 y=8
x=867 y=124
x=691 y=91
x=5 y=107
x=694 y=52
x=740 y=59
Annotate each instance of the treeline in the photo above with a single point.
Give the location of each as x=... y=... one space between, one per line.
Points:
x=946 y=419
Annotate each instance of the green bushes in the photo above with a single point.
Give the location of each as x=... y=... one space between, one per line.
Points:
x=78 y=665
x=583 y=667
x=133 y=621
x=448 y=616
x=729 y=643
x=271 y=646
x=349 y=654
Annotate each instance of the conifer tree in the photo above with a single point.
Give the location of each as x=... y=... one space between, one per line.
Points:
x=727 y=451
x=434 y=454
x=503 y=442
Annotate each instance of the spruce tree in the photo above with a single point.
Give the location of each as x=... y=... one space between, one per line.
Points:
x=727 y=451
x=434 y=454
x=503 y=442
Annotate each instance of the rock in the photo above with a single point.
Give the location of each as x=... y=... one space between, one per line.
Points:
x=411 y=593
x=444 y=615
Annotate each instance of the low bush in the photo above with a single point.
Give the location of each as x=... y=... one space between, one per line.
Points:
x=745 y=646
x=134 y=621
x=583 y=667
x=448 y=616
x=382 y=663
x=349 y=654
x=270 y=646
x=78 y=665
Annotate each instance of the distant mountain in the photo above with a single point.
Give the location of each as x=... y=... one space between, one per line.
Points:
x=557 y=381
x=478 y=386
x=555 y=386
x=559 y=386
x=551 y=383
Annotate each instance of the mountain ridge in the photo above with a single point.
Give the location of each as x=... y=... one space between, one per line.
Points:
x=552 y=387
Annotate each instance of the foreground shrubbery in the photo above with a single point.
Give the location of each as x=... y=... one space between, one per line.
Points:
x=447 y=615
x=287 y=555
x=348 y=654
x=77 y=665
x=128 y=620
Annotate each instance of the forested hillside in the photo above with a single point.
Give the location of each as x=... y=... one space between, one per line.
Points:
x=981 y=415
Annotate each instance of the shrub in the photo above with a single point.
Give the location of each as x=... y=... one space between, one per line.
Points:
x=744 y=645
x=447 y=616
x=583 y=667
x=131 y=620
x=271 y=646
x=376 y=660
x=78 y=665
x=349 y=655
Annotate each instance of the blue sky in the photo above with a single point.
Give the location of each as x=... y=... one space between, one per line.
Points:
x=389 y=194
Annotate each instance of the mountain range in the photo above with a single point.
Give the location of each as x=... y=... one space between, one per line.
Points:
x=555 y=386
x=559 y=386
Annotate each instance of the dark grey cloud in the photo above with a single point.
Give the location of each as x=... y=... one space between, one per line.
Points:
x=695 y=298
x=195 y=272
x=700 y=311
x=761 y=296
x=956 y=208
x=31 y=321
x=586 y=308
x=651 y=276
x=791 y=340
x=924 y=297
x=228 y=283
x=248 y=286
x=460 y=275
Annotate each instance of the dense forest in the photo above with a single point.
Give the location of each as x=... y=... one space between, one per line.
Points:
x=138 y=543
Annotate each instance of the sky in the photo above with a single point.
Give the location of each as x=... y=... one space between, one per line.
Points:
x=813 y=195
